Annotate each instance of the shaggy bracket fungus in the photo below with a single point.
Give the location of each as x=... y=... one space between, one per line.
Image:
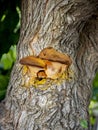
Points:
x=49 y=64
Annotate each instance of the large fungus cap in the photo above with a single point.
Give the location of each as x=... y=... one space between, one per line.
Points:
x=53 y=55
x=32 y=61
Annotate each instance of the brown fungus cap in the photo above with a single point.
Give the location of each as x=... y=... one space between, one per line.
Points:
x=32 y=61
x=53 y=55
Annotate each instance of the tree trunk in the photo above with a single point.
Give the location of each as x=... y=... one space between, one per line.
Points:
x=69 y=27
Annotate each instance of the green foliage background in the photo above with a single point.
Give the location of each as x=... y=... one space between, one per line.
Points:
x=9 y=19
x=9 y=35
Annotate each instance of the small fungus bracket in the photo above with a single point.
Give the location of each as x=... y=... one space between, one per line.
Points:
x=50 y=66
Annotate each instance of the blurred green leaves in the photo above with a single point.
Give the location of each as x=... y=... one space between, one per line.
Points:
x=94 y=100
x=8 y=59
x=6 y=63
x=9 y=34
x=95 y=88
x=83 y=123
x=18 y=24
x=9 y=24
x=3 y=85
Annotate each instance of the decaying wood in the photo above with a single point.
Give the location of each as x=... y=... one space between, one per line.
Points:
x=69 y=26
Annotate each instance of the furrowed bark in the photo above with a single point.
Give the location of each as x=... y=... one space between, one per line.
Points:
x=69 y=27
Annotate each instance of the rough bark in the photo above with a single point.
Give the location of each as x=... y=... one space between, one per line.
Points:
x=69 y=27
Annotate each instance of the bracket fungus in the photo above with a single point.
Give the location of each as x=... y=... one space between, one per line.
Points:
x=49 y=64
x=33 y=64
x=51 y=54
x=57 y=62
